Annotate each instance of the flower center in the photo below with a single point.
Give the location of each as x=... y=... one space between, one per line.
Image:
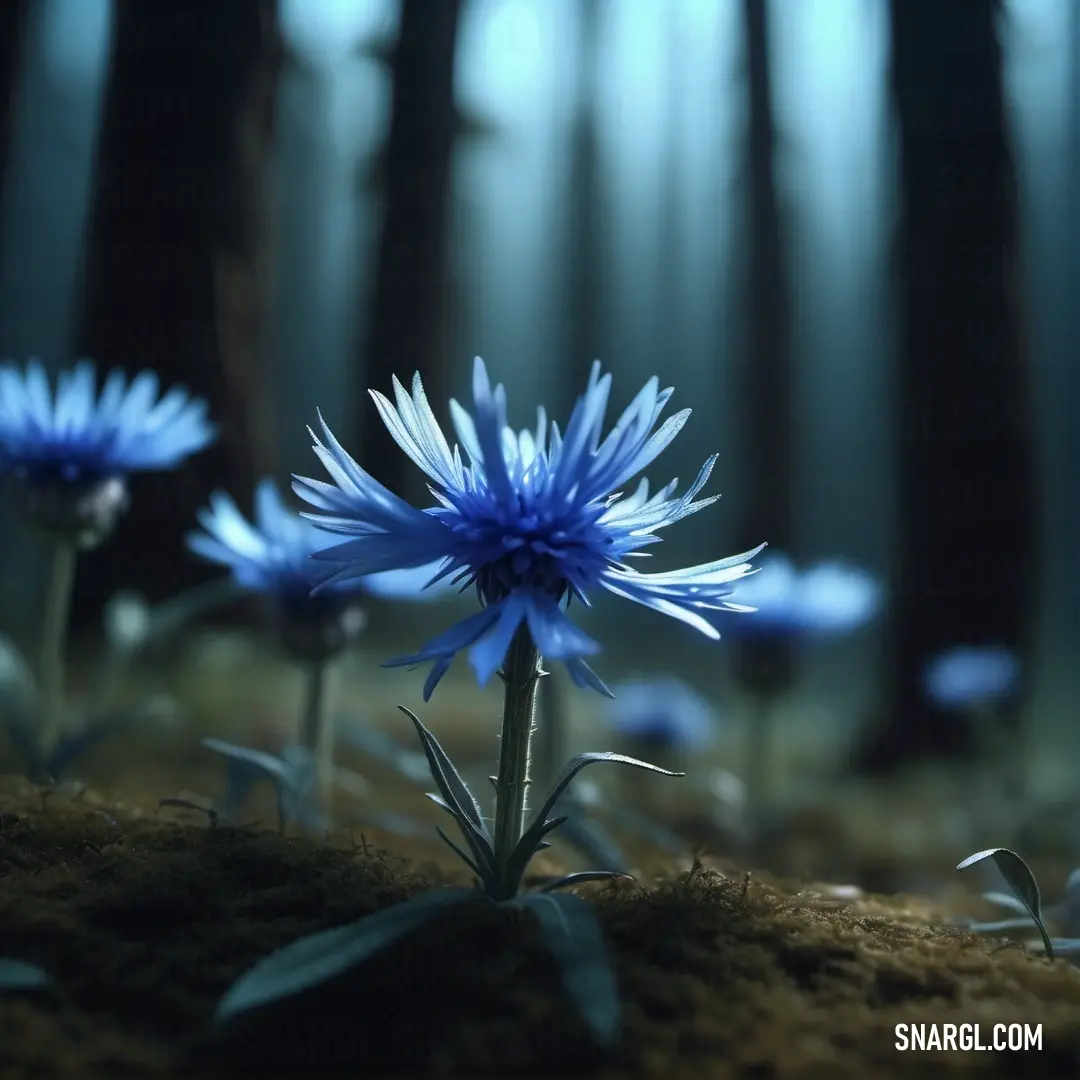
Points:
x=535 y=549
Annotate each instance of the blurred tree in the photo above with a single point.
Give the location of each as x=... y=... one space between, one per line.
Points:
x=584 y=267
x=180 y=254
x=406 y=329
x=764 y=666
x=12 y=22
x=967 y=547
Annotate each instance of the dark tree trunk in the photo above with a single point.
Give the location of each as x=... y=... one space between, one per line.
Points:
x=180 y=253
x=12 y=24
x=407 y=331
x=584 y=266
x=765 y=666
x=967 y=545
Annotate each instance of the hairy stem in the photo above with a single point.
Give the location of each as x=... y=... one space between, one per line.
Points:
x=53 y=642
x=551 y=733
x=521 y=673
x=317 y=731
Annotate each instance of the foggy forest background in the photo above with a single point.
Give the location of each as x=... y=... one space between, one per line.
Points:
x=843 y=230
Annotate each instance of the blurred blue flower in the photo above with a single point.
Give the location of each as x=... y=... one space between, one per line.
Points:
x=533 y=519
x=273 y=555
x=663 y=711
x=970 y=675
x=827 y=598
x=77 y=436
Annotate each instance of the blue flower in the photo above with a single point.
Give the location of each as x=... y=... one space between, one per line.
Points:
x=970 y=675
x=827 y=598
x=66 y=457
x=532 y=519
x=77 y=436
x=273 y=555
x=664 y=711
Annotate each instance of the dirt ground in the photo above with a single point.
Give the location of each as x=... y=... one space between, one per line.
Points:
x=143 y=922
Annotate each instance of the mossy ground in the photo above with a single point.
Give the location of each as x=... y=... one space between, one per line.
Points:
x=143 y=923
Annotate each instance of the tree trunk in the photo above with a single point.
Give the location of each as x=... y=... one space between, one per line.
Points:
x=967 y=544
x=406 y=330
x=12 y=23
x=180 y=255
x=764 y=666
x=584 y=267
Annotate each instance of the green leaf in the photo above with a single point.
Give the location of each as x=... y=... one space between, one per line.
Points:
x=18 y=975
x=317 y=958
x=483 y=857
x=1021 y=880
x=459 y=853
x=446 y=776
x=1006 y=901
x=274 y=768
x=574 y=936
x=997 y=927
x=541 y=824
x=575 y=765
x=581 y=877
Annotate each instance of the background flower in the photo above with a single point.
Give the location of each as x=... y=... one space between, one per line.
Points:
x=971 y=675
x=662 y=710
x=273 y=555
x=76 y=435
x=533 y=519
x=827 y=598
x=67 y=456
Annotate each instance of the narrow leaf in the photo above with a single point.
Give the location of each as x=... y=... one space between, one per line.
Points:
x=19 y=975
x=1022 y=881
x=447 y=777
x=529 y=844
x=539 y=824
x=313 y=960
x=1006 y=901
x=575 y=939
x=576 y=764
x=456 y=848
x=273 y=767
x=997 y=927
x=581 y=877
x=481 y=850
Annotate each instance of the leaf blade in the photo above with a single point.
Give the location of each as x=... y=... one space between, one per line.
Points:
x=315 y=959
x=1021 y=880
x=573 y=934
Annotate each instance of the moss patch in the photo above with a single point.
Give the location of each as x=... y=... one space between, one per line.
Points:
x=143 y=925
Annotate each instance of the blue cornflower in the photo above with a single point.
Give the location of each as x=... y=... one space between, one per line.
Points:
x=968 y=676
x=70 y=453
x=273 y=558
x=663 y=711
x=532 y=519
x=827 y=598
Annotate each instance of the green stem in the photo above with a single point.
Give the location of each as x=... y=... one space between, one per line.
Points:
x=317 y=731
x=551 y=733
x=521 y=673
x=53 y=642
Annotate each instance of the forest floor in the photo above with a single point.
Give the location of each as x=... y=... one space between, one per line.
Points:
x=796 y=958
x=143 y=920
